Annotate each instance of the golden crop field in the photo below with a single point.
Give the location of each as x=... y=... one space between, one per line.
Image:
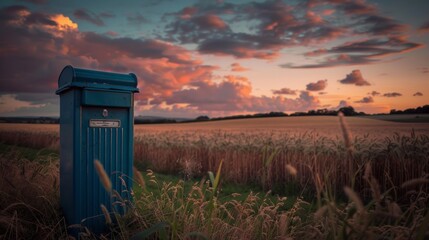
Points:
x=327 y=126
x=381 y=167
x=322 y=125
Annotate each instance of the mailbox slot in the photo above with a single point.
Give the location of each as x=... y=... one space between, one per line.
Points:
x=106 y=98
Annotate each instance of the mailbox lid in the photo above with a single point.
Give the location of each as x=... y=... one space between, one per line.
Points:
x=85 y=78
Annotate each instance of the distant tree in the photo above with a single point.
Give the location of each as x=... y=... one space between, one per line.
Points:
x=419 y=110
x=202 y=118
x=348 y=111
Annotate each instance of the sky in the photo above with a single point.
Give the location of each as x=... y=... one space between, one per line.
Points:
x=220 y=58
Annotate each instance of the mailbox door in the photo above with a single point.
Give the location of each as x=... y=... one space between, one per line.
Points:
x=106 y=136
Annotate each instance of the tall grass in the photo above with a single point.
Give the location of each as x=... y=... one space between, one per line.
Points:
x=29 y=198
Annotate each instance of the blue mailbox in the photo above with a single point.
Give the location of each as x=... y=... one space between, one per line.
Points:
x=96 y=122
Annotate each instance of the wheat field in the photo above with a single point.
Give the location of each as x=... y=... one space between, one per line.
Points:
x=367 y=178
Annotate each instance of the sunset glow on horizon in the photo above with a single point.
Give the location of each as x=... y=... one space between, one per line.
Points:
x=220 y=58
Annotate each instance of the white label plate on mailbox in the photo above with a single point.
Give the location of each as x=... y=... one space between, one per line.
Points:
x=104 y=123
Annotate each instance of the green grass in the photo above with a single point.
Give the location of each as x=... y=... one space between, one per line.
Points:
x=31 y=154
x=228 y=191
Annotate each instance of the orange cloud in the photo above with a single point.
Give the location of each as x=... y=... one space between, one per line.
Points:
x=236 y=67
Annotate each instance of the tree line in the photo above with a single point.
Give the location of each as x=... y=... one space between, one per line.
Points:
x=347 y=111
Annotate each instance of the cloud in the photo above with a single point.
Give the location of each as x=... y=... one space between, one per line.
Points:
x=285 y=91
x=233 y=94
x=107 y=15
x=86 y=15
x=238 y=48
x=424 y=27
x=161 y=67
x=210 y=21
x=168 y=74
x=365 y=100
x=357 y=7
x=374 y=93
x=39 y=2
x=341 y=104
x=392 y=94
x=358 y=52
x=137 y=19
x=271 y=26
x=19 y=72
x=9 y=103
x=265 y=28
x=236 y=67
x=379 y=25
x=112 y=34
x=356 y=78
x=317 y=86
x=418 y=94
x=424 y=69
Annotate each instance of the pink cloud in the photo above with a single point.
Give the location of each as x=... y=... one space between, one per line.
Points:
x=356 y=78
x=233 y=94
x=317 y=86
x=424 y=27
x=366 y=100
x=285 y=91
x=236 y=67
x=392 y=94
x=374 y=93
x=210 y=21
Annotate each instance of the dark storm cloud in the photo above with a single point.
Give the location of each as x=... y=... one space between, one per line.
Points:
x=86 y=15
x=365 y=100
x=317 y=86
x=392 y=94
x=285 y=91
x=356 y=78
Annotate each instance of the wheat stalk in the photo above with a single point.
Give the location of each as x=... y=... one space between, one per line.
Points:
x=105 y=180
x=106 y=214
